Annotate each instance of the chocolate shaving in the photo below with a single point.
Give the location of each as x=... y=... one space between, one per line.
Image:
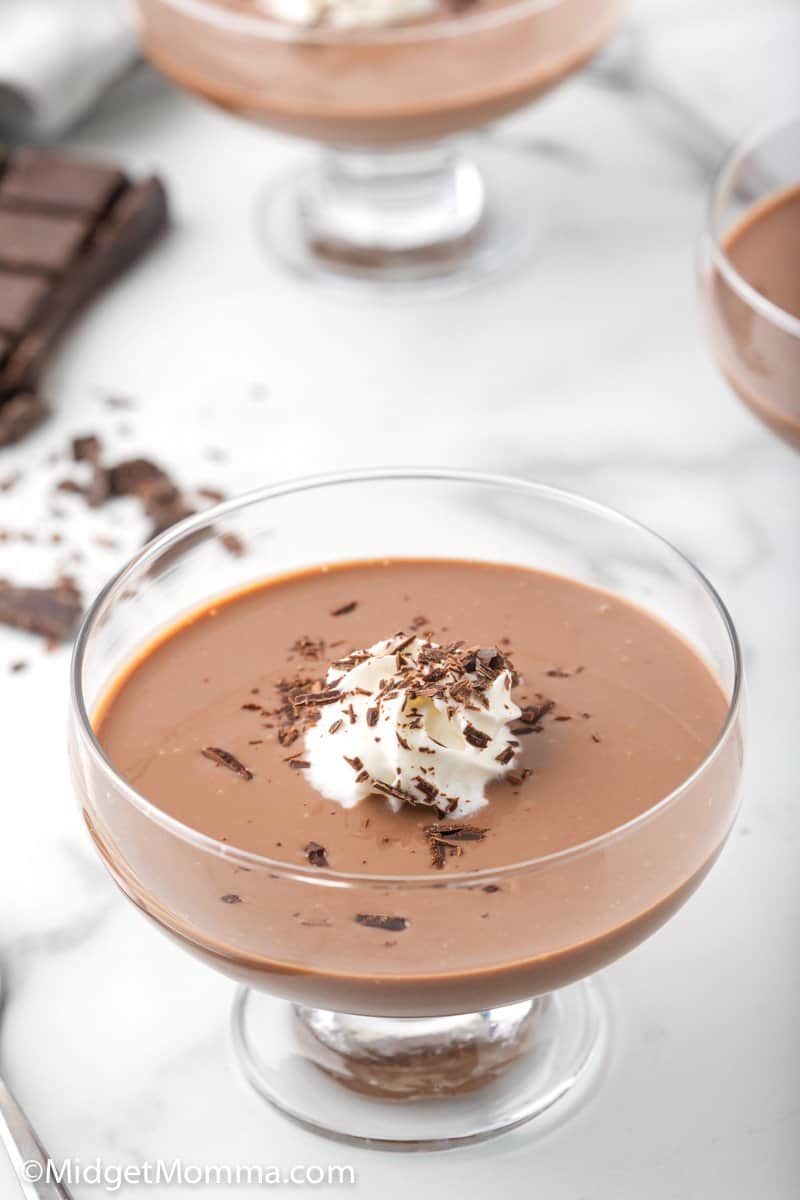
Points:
x=533 y=714
x=299 y=764
x=391 y=924
x=505 y=756
x=344 y=609
x=355 y=763
x=224 y=758
x=456 y=833
x=475 y=736
x=372 y=716
x=317 y=855
x=388 y=789
x=445 y=840
x=316 y=698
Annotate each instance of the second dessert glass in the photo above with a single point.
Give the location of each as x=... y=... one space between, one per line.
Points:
x=375 y=1046
x=756 y=342
x=394 y=200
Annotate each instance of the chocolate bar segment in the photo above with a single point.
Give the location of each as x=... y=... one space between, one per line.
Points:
x=21 y=298
x=67 y=228
x=37 y=179
x=34 y=242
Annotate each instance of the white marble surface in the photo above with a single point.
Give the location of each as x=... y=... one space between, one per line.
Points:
x=587 y=369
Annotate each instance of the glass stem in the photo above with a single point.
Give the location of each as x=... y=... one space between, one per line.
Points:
x=417 y=1058
x=373 y=206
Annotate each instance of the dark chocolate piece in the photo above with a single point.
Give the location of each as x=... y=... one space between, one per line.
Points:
x=51 y=612
x=128 y=477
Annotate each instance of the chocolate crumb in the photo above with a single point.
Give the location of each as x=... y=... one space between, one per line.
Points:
x=491 y=888
x=223 y=758
x=52 y=612
x=86 y=448
x=390 y=924
x=317 y=855
x=596 y=737
x=19 y=665
x=231 y=898
x=233 y=544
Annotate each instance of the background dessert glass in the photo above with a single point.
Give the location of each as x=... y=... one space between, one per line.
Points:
x=756 y=342
x=503 y=1030
x=393 y=198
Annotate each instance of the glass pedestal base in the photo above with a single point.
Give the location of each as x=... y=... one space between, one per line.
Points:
x=418 y=1084
x=404 y=222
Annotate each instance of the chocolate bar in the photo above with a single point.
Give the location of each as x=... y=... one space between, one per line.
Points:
x=67 y=228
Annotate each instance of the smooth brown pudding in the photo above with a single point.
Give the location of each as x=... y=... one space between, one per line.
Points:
x=456 y=69
x=759 y=354
x=620 y=711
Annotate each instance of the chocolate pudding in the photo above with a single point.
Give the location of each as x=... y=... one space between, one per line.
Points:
x=600 y=712
x=431 y=68
x=758 y=349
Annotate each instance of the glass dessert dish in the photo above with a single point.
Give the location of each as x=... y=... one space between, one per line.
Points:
x=394 y=199
x=750 y=274
x=413 y=1021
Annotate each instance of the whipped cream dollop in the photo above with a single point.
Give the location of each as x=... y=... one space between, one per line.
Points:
x=348 y=14
x=416 y=722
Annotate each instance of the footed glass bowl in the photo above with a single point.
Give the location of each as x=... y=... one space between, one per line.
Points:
x=442 y=1039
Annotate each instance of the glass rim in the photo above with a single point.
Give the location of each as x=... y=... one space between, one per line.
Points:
x=733 y=156
x=271 y=27
x=328 y=876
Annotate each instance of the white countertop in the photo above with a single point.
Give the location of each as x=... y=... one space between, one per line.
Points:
x=587 y=369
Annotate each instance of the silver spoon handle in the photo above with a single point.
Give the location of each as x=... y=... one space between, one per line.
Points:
x=24 y=1147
